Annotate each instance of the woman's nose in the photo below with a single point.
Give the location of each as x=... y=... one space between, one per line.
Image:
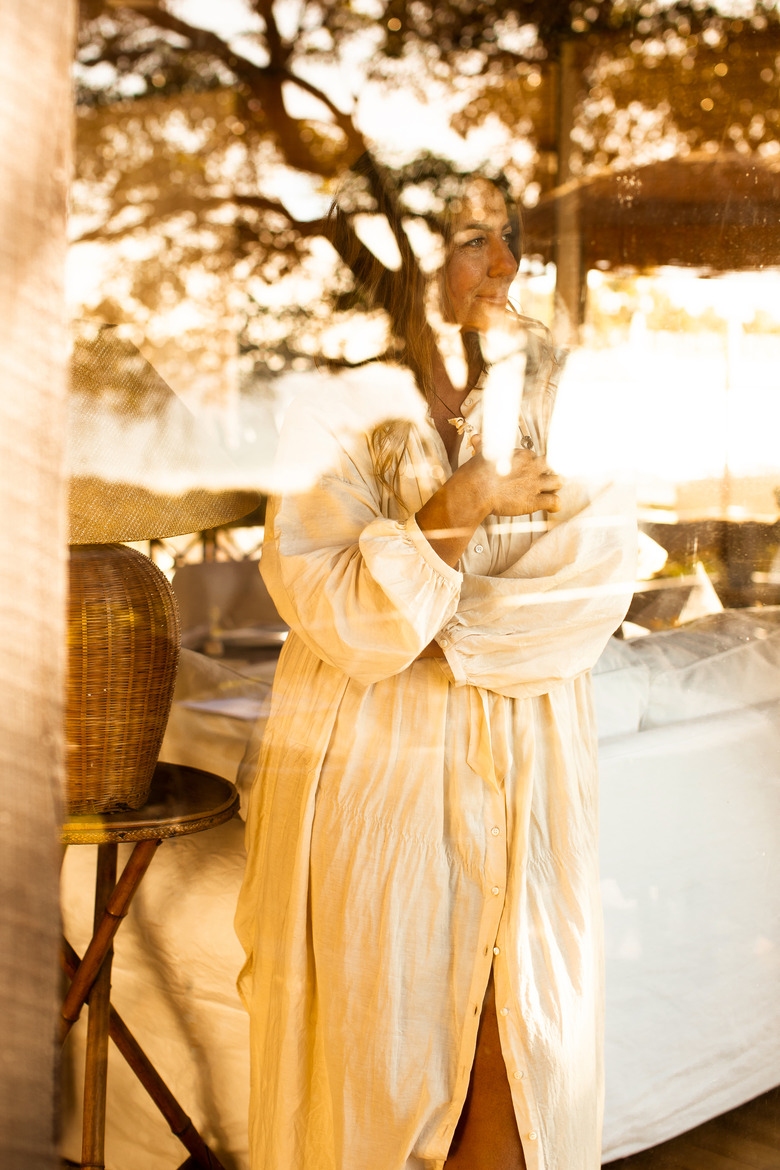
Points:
x=501 y=259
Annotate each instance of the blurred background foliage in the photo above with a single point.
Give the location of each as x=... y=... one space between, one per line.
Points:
x=211 y=139
x=207 y=158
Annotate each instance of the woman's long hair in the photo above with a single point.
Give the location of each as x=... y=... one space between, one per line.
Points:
x=404 y=294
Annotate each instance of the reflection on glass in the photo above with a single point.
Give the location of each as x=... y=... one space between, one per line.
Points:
x=644 y=141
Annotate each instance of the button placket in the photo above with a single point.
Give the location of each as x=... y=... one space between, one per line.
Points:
x=511 y=1031
x=495 y=873
x=525 y=1107
x=525 y=1113
x=495 y=853
x=521 y=1090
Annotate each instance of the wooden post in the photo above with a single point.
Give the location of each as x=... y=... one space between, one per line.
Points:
x=96 y=1069
x=568 y=251
x=36 y=114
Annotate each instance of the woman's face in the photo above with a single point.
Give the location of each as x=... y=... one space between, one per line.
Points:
x=480 y=266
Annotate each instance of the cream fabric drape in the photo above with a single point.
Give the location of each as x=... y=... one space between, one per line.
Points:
x=415 y=823
x=36 y=131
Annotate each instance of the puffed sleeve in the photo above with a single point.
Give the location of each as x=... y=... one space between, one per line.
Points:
x=365 y=592
x=548 y=616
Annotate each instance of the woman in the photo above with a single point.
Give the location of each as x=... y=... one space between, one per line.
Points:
x=421 y=908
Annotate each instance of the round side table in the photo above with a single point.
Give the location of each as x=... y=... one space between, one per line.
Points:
x=181 y=801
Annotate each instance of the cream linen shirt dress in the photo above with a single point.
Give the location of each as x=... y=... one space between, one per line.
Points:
x=415 y=824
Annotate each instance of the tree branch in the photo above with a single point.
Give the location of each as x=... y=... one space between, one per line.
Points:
x=266 y=80
x=163 y=209
x=278 y=49
x=344 y=121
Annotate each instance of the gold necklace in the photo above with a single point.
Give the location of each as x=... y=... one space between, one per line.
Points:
x=458 y=421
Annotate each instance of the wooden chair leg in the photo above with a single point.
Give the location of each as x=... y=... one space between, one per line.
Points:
x=115 y=907
x=179 y=1122
x=96 y=1067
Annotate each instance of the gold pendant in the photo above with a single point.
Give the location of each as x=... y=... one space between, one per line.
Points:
x=459 y=424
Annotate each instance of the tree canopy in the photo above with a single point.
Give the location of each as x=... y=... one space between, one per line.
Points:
x=207 y=156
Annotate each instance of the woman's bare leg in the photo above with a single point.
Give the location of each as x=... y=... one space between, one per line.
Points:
x=487 y=1137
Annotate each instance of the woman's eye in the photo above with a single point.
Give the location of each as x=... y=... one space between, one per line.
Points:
x=475 y=242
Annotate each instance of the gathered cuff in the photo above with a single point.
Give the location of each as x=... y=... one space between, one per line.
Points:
x=412 y=530
x=452 y=665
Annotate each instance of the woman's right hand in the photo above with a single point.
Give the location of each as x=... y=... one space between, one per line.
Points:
x=449 y=518
x=529 y=485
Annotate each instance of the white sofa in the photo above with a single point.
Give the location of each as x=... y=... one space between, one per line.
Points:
x=690 y=779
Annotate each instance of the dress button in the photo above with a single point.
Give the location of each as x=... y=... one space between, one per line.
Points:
x=518 y=1075
x=505 y=1011
x=495 y=890
x=468 y=402
x=444 y=641
x=496 y=950
x=479 y=548
x=532 y=1135
x=495 y=830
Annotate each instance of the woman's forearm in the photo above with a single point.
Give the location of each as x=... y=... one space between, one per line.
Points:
x=452 y=514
